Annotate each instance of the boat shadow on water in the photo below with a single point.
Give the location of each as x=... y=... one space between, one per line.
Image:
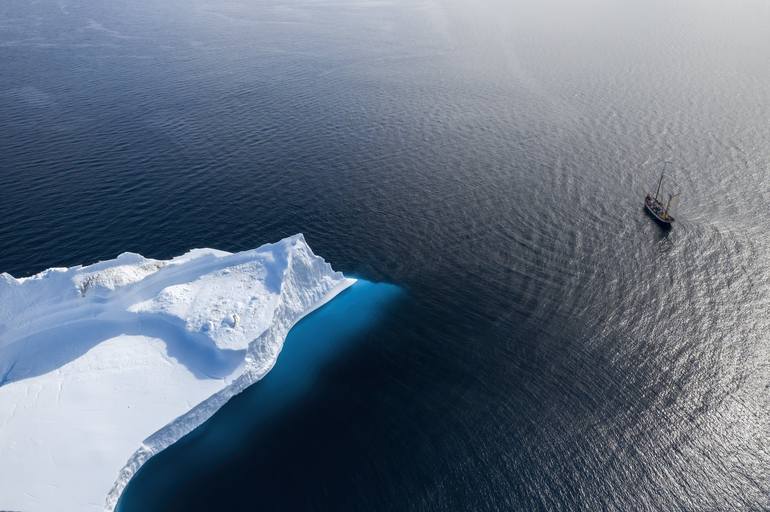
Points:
x=663 y=234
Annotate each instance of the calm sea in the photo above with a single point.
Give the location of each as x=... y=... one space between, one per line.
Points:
x=547 y=346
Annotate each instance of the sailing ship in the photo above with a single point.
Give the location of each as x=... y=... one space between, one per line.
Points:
x=657 y=208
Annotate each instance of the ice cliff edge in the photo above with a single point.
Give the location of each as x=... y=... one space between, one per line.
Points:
x=102 y=366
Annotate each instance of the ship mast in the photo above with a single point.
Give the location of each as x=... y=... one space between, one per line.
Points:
x=660 y=181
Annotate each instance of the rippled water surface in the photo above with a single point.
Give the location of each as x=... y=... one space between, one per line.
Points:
x=553 y=347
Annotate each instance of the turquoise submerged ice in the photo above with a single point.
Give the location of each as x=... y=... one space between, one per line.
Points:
x=105 y=365
x=318 y=342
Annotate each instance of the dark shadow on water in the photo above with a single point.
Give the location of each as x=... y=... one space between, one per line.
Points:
x=311 y=346
x=663 y=228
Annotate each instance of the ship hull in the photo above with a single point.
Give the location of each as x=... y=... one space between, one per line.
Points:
x=650 y=207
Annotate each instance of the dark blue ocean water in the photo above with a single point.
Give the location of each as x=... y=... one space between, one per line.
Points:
x=549 y=348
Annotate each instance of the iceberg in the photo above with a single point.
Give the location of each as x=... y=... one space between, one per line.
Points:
x=103 y=366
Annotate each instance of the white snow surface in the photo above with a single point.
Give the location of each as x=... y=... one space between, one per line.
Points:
x=103 y=366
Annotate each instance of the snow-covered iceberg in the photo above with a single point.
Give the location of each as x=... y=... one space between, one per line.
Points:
x=102 y=366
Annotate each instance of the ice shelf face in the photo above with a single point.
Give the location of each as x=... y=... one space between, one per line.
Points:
x=105 y=365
